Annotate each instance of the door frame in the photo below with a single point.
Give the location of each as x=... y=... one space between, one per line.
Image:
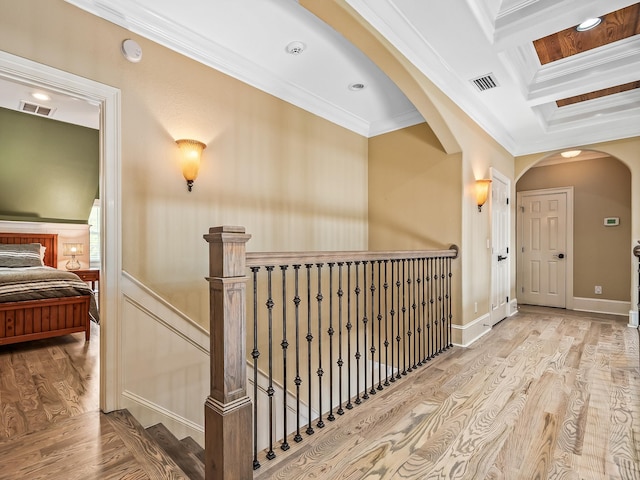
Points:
x=496 y=174
x=28 y=72
x=568 y=191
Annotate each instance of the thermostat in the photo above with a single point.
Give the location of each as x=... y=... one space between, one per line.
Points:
x=611 y=221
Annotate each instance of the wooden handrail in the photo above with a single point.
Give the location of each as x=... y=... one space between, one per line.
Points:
x=259 y=259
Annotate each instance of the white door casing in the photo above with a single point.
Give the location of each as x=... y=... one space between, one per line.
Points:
x=545 y=247
x=500 y=260
x=22 y=70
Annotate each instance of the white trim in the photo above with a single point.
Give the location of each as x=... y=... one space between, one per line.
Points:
x=569 y=228
x=146 y=300
x=596 y=305
x=633 y=319
x=13 y=68
x=163 y=31
x=474 y=330
x=513 y=306
x=148 y=413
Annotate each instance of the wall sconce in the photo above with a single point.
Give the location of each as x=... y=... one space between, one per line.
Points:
x=482 y=192
x=71 y=250
x=190 y=152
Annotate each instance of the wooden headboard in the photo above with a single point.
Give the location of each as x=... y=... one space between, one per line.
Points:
x=48 y=240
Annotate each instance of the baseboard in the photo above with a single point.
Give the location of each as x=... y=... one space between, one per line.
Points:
x=513 y=307
x=633 y=319
x=595 y=305
x=465 y=335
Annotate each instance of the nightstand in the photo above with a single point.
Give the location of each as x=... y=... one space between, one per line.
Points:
x=92 y=276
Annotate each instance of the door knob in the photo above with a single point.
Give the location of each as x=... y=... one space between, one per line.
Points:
x=500 y=258
x=560 y=255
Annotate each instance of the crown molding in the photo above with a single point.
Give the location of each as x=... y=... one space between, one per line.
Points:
x=161 y=30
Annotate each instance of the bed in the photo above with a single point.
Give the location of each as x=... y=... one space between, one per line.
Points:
x=39 y=301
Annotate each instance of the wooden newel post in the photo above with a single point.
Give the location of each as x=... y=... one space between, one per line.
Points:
x=228 y=414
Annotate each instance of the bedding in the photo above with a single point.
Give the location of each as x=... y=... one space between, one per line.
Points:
x=40 y=282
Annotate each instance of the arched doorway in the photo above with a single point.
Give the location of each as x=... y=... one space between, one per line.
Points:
x=589 y=245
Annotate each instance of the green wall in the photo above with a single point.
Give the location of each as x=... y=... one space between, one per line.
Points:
x=49 y=170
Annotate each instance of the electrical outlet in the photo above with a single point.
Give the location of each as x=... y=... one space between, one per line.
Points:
x=598 y=290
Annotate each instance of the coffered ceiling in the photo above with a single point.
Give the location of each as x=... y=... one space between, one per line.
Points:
x=519 y=68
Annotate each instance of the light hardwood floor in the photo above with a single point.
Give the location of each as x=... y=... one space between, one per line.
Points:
x=546 y=394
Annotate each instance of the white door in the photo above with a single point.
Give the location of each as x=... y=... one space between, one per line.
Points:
x=543 y=248
x=500 y=187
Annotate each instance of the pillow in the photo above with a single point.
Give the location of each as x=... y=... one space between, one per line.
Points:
x=20 y=255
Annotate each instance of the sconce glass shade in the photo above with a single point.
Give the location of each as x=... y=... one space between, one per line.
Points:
x=482 y=192
x=190 y=155
x=71 y=250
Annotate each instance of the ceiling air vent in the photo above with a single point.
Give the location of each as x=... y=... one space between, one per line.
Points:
x=36 y=109
x=485 y=82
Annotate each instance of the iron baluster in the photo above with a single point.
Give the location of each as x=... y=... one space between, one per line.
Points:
x=297 y=380
x=404 y=317
x=320 y=371
x=330 y=332
x=358 y=400
x=255 y=353
x=340 y=411
x=309 y=337
x=450 y=275
x=379 y=327
x=270 y=391
x=398 y=337
x=386 y=326
x=285 y=346
x=349 y=327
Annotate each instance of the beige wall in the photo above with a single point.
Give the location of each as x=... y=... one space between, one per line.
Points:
x=602 y=188
x=295 y=181
x=413 y=189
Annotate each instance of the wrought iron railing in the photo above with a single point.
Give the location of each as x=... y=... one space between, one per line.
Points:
x=325 y=332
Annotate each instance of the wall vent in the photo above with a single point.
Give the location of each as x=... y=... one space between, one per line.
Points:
x=485 y=82
x=36 y=109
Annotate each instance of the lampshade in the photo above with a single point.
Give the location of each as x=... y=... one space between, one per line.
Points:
x=71 y=249
x=190 y=154
x=482 y=192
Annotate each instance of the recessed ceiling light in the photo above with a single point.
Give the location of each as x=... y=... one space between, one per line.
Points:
x=588 y=24
x=41 y=96
x=571 y=153
x=356 y=86
x=296 y=48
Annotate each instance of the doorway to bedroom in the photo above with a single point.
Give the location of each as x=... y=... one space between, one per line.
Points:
x=106 y=101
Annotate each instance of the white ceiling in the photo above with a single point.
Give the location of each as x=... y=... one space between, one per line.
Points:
x=450 y=41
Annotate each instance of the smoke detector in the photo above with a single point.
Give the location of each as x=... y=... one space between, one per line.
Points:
x=296 y=48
